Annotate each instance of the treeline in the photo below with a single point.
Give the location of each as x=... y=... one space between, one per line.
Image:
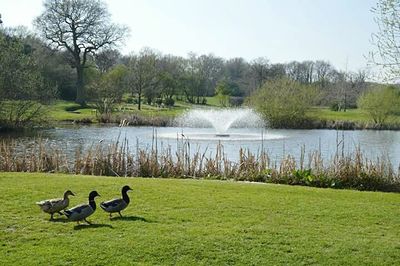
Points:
x=32 y=70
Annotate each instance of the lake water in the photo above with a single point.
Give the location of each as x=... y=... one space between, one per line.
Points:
x=276 y=142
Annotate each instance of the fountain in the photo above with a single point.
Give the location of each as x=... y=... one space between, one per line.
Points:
x=229 y=124
x=221 y=119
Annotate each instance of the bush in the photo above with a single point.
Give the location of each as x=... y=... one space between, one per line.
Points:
x=159 y=101
x=130 y=100
x=380 y=103
x=169 y=102
x=236 y=101
x=21 y=114
x=284 y=102
x=335 y=107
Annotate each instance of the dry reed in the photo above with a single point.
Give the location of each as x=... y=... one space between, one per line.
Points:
x=343 y=171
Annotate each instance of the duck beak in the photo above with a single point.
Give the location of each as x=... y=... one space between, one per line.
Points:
x=72 y=194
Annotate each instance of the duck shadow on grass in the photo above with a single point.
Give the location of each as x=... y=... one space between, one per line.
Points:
x=130 y=218
x=59 y=220
x=90 y=226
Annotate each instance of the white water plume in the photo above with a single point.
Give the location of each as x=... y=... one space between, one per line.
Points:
x=221 y=119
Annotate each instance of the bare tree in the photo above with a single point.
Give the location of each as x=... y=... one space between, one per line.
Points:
x=106 y=59
x=80 y=27
x=387 y=39
x=259 y=71
x=143 y=76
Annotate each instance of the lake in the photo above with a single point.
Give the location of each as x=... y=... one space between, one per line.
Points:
x=277 y=142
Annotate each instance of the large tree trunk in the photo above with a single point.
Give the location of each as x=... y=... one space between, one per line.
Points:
x=80 y=96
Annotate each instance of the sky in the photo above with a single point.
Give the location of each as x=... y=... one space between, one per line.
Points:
x=337 y=31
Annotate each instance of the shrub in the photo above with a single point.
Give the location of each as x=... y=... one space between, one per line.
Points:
x=169 y=102
x=130 y=100
x=380 y=103
x=159 y=101
x=284 y=102
x=21 y=114
x=236 y=101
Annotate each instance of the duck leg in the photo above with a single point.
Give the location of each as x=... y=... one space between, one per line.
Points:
x=120 y=214
x=110 y=215
x=51 y=216
x=87 y=221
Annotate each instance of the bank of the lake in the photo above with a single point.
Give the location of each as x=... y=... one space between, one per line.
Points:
x=317 y=118
x=183 y=222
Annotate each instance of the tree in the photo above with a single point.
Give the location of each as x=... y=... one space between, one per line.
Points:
x=171 y=73
x=211 y=71
x=237 y=71
x=259 y=71
x=21 y=82
x=21 y=77
x=106 y=89
x=81 y=28
x=143 y=77
x=301 y=71
x=106 y=59
x=222 y=92
x=284 y=102
x=380 y=103
x=387 y=39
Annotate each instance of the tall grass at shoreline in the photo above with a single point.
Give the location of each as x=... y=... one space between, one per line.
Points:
x=353 y=170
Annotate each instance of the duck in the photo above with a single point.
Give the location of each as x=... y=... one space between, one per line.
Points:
x=118 y=204
x=82 y=211
x=55 y=205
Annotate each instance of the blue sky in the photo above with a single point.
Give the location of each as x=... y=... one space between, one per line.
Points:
x=338 y=31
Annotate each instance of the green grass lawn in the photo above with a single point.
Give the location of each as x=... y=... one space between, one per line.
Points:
x=69 y=111
x=353 y=115
x=186 y=222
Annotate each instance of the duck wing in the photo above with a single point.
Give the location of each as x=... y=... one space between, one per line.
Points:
x=52 y=205
x=114 y=205
x=79 y=212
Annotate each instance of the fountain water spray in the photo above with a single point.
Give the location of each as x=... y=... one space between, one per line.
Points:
x=221 y=119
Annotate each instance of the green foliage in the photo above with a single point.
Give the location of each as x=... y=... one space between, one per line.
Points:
x=222 y=92
x=192 y=222
x=20 y=78
x=225 y=90
x=169 y=102
x=284 y=102
x=380 y=103
x=21 y=114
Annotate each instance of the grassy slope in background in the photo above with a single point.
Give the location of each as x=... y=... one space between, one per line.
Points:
x=198 y=222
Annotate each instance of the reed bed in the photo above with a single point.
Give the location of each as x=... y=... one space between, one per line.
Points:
x=352 y=170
